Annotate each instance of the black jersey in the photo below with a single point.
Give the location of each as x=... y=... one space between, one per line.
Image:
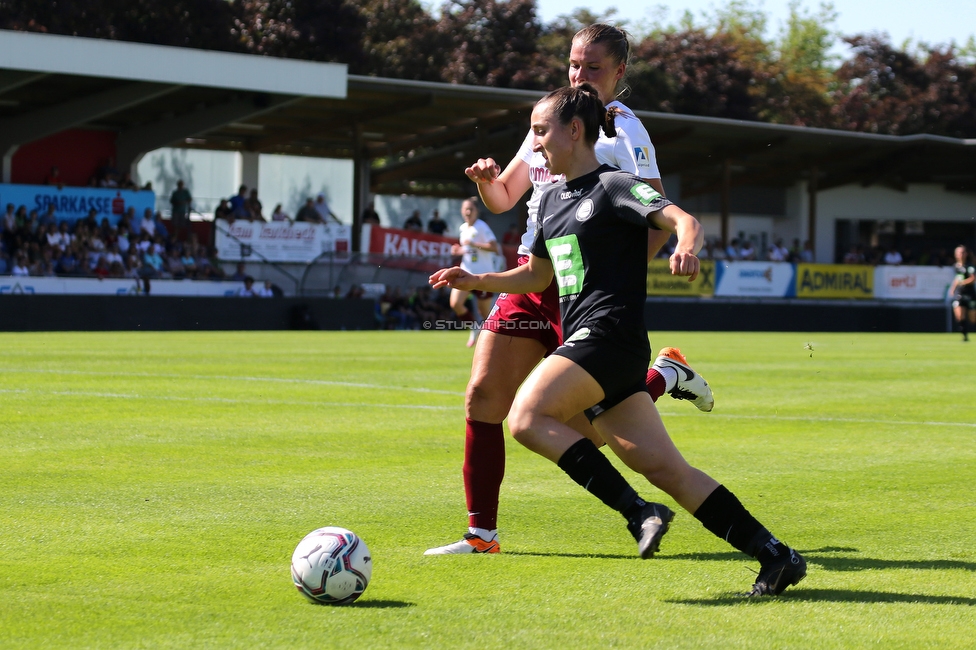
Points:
x=594 y=231
x=964 y=272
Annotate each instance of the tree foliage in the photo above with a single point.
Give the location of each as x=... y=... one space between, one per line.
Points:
x=721 y=64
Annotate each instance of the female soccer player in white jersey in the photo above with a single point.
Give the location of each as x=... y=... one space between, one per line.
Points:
x=478 y=247
x=591 y=243
x=522 y=329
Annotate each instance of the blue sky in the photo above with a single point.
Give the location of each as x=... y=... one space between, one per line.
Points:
x=933 y=21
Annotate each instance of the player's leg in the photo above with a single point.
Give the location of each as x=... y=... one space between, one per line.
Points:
x=500 y=364
x=553 y=395
x=959 y=313
x=459 y=303
x=635 y=432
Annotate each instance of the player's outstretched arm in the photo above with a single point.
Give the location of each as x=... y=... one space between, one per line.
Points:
x=500 y=190
x=533 y=277
x=690 y=234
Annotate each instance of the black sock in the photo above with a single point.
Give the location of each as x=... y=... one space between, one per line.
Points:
x=725 y=517
x=591 y=469
x=964 y=326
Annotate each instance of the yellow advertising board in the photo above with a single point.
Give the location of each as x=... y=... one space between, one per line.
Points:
x=834 y=281
x=660 y=282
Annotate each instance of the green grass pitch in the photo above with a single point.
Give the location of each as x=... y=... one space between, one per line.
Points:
x=154 y=485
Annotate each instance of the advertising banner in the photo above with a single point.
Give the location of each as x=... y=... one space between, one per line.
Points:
x=912 y=282
x=73 y=203
x=280 y=241
x=408 y=243
x=754 y=279
x=660 y=282
x=31 y=286
x=834 y=281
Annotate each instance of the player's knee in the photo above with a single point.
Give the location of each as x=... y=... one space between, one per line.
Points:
x=521 y=423
x=484 y=402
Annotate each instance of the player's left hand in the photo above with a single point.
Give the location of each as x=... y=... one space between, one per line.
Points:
x=454 y=277
x=685 y=263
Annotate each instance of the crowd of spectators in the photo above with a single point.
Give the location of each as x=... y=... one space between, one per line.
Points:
x=43 y=245
x=878 y=255
x=397 y=309
x=246 y=206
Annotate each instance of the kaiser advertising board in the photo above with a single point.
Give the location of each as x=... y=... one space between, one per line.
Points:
x=280 y=241
x=834 y=281
x=754 y=279
x=73 y=203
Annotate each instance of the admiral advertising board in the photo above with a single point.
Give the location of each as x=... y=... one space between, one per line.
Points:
x=73 y=203
x=754 y=279
x=280 y=241
x=660 y=282
x=834 y=281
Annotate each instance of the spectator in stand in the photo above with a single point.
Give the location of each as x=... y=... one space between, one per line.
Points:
x=279 y=214
x=20 y=266
x=512 y=236
x=44 y=266
x=49 y=216
x=413 y=222
x=4 y=261
x=436 y=225
x=122 y=240
x=113 y=255
x=254 y=206
x=147 y=225
x=54 y=178
x=189 y=263
x=133 y=269
x=224 y=211
x=265 y=291
x=747 y=251
x=324 y=211
x=892 y=257
x=238 y=204
x=152 y=264
x=68 y=262
x=370 y=215
x=174 y=265
x=181 y=202
x=247 y=291
x=127 y=183
x=240 y=273
x=778 y=252
x=161 y=229
x=308 y=212
x=732 y=250
x=101 y=269
x=854 y=256
x=9 y=224
x=807 y=255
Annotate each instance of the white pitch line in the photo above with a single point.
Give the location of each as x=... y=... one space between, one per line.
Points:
x=731 y=416
x=281 y=380
x=226 y=400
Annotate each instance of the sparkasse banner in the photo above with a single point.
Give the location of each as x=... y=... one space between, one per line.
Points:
x=660 y=282
x=73 y=203
x=834 y=281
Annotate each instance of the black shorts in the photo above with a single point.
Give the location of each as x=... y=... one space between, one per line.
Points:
x=619 y=368
x=964 y=300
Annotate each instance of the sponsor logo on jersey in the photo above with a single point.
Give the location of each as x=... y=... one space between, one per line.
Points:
x=578 y=335
x=644 y=193
x=642 y=155
x=585 y=210
x=575 y=194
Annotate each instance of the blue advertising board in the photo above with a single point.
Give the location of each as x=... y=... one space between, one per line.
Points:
x=72 y=203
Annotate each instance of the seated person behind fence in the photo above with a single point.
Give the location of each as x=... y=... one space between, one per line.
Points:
x=413 y=222
x=254 y=206
x=279 y=214
x=325 y=212
x=436 y=225
x=308 y=212
x=247 y=291
x=238 y=204
x=370 y=215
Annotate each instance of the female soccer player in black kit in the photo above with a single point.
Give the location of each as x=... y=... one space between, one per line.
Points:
x=592 y=239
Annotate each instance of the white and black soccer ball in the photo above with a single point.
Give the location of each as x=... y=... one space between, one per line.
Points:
x=331 y=565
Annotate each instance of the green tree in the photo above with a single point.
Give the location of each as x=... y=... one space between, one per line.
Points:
x=401 y=40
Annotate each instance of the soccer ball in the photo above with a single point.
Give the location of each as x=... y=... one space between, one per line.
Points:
x=331 y=565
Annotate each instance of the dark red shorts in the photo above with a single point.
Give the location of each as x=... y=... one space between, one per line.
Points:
x=530 y=315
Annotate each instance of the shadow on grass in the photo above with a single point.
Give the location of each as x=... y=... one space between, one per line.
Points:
x=832 y=596
x=832 y=558
x=378 y=604
x=596 y=556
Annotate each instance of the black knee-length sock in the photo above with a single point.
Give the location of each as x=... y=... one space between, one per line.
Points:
x=591 y=469
x=725 y=516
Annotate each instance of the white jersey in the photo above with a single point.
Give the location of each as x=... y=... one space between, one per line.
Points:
x=475 y=260
x=631 y=150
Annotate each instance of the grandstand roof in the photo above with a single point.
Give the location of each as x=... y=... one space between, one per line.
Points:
x=419 y=135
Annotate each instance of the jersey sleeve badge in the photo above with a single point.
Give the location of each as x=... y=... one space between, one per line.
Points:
x=644 y=193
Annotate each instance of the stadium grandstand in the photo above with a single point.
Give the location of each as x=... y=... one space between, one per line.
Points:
x=815 y=210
